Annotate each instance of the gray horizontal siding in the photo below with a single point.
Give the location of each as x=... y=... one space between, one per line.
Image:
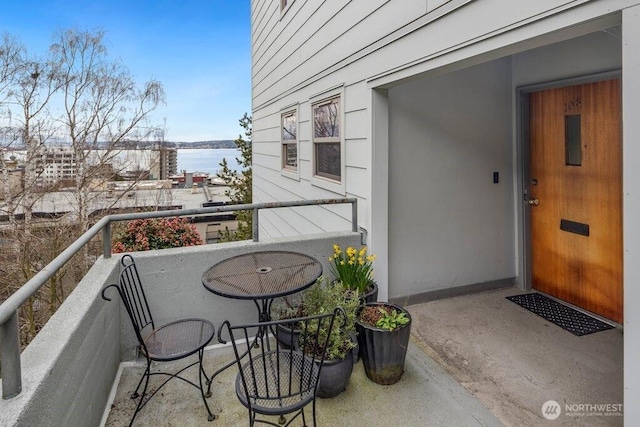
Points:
x=377 y=37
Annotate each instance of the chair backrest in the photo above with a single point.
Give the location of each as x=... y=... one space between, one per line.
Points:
x=278 y=372
x=132 y=294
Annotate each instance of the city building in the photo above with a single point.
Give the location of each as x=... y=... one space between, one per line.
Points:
x=56 y=164
x=187 y=179
x=59 y=164
x=122 y=197
x=164 y=162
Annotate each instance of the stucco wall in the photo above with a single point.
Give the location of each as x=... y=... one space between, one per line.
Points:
x=68 y=369
x=173 y=278
x=449 y=224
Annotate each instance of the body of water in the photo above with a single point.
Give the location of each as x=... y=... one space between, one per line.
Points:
x=206 y=159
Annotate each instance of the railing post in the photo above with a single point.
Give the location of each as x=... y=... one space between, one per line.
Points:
x=10 y=357
x=106 y=240
x=354 y=216
x=254 y=225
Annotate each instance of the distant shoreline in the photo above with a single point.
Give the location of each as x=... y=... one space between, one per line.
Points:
x=206 y=148
x=226 y=143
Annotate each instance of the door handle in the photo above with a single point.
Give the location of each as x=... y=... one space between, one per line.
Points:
x=532 y=202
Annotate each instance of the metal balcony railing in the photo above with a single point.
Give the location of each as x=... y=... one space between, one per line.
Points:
x=9 y=323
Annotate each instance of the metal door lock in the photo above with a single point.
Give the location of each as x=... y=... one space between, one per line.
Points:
x=533 y=202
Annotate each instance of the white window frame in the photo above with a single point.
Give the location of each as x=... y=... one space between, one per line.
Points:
x=325 y=182
x=288 y=171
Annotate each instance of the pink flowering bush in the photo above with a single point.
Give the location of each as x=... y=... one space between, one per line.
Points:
x=158 y=233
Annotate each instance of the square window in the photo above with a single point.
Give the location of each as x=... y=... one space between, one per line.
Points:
x=327 y=138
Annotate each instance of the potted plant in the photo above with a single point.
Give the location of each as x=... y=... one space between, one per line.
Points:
x=354 y=268
x=383 y=335
x=340 y=354
x=288 y=307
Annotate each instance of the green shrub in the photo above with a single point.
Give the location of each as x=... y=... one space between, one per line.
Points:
x=157 y=233
x=322 y=298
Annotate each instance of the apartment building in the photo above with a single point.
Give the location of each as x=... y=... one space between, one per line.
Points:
x=489 y=143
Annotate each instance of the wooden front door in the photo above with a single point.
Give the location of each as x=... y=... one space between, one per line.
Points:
x=575 y=195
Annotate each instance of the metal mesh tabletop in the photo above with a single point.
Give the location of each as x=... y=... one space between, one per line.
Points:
x=261 y=275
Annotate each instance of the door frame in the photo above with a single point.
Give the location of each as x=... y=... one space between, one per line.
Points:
x=523 y=172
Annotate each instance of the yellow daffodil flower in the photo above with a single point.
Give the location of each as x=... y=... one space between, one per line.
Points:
x=353 y=267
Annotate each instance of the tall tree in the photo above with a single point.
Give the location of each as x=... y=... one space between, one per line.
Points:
x=11 y=57
x=240 y=184
x=27 y=98
x=103 y=107
x=78 y=97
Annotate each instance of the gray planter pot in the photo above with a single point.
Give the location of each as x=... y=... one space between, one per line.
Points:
x=383 y=352
x=335 y=376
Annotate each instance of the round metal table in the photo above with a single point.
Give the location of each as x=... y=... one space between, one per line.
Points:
x=262 y=276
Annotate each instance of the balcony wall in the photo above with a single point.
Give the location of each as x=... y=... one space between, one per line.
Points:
x=69 y=368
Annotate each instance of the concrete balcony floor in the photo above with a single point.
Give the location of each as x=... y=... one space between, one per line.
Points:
x=474 y=360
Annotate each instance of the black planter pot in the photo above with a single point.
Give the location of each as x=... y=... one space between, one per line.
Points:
x=334 y=376
x=356 y=349
x=384 y=352
x=371 y=295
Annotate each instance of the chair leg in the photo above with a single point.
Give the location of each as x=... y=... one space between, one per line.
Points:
x=314 y=412
x=141 y=403
x=211 y=417
x=135 y=394
x=208 y=380
x=304 y=421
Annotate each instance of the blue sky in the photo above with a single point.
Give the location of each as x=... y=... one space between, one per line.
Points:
x=198 y=49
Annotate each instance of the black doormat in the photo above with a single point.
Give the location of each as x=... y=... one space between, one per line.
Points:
x=559 y=314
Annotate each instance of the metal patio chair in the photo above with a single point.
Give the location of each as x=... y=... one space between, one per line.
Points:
x=175 y=340
x=277 y=378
